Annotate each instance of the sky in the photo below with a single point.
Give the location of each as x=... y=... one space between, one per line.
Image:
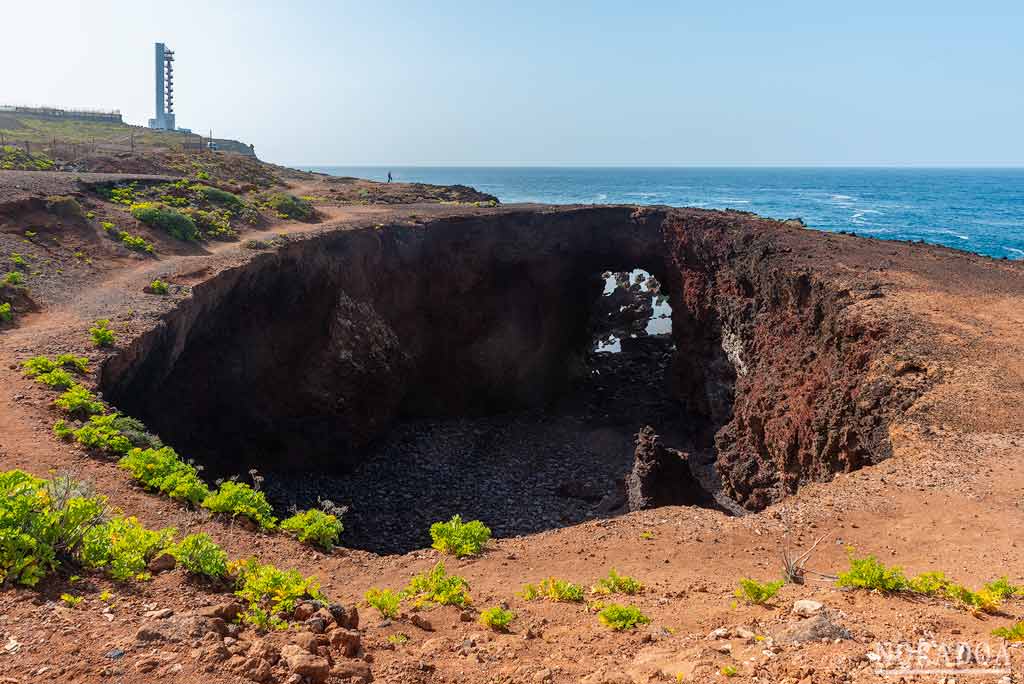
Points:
x=899 y=82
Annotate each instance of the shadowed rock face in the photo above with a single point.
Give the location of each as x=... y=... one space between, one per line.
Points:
x=307 y=354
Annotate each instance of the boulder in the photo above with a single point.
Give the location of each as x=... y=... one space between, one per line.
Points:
x=305 y=664
x=228 y=612
x=162 y=563
x=347 y=641
x=345 y=616
x=661 y=476
x=813 y=629
x=807 y=608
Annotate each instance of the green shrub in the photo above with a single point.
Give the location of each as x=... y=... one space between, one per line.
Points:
x=78 y=401
x=236 y=498
x=928 y=583
x=107 y=226
x=756 y=592
x=71 y=601
x=1014 y=633
x=268 y=591
x=101 y=334
x=58 y=378
x=289 y=206
x=553 y=589
x=384 y=600
x=101 y=434
x=1002 y=589
x=62 y=431
x=18 y=260
x=497 y=618
x=315 y=527
x=870 y=573
x=124 y=547
x=6 y=313
x=169 y=220
x=38 y=365
x=621 y=618
x=135 y=243
x=229 y=200
x=201 y=556
x=162 y=470
x=120 y=194
x=159 y=287
x=436 y=586
x=458 y=538
x=729 y=671
x=615 y=583
x=14 y=278
x=214 y=224
x=136 y=432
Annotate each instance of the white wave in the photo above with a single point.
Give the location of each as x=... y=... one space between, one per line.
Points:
x=1016 y=251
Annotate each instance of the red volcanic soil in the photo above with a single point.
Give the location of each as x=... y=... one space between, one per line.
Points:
x=851 y=392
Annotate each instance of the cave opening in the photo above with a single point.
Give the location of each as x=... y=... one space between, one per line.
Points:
x=408 y=378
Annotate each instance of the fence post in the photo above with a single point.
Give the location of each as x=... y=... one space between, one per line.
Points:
x=28 y=149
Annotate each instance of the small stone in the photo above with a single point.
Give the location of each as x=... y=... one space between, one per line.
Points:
x=304 y=611
x=807 y=608
x=316 y=624
x=423 y=623
x=347 y=641
x=115 y=654
x=352 y=670
x=345 y=616
x=466 y=616
x=303 y=663
x=162 y=563
x=150 y=634
x=720 y=633
x=160 y=614
x=228 y=612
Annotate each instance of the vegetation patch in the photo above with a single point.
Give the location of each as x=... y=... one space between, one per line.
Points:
x=80 y=402
x=101 y=434
x=268 y=592
x=436 y=586
x=6 y=313
x=101 y=334
x=620 y=617
x=201 y=556
x=757 y=593
x=1014 y=633
x=237 y=498
x=458 y=538
x=314 y=527
x=159 y=287
x=124 y=547
x=14 y=278
x=163 y=471
x=497 y=618
x=167 y=219
x=16 y=159
x=553 y=589
x=615 y=583
x=385 y=601
x=288 y=206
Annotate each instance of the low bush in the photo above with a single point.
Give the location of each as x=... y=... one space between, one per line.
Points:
x=14 y=278
x=201 y=556
x=63 y=431
x=870 y=573
x=615 y=583
x=101 y=334
x=268 y=591
x=553 y=589
x=171 y=221
x=1013 y=633
x=58 y=378
x=18 y=260
x=71 y=601
x=224 y=198
x=41 y=521
x=436 y=586
x=289 y=206
x=458 y=538
x=384 y=600
x=101 y=433
x=1002 y=589
x=314 y=527
x=497 y=618
x=620 y=618
x=6 y=313
x=214 y=224
x=757 y=593
x=38 y=365
x=124 y=547
x=136 y=432
x=236 y=498
x=162 y=470
x=159 y=287
x=80 y=402
x=135 y=243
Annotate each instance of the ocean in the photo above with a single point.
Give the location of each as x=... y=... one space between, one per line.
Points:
x=978 y=210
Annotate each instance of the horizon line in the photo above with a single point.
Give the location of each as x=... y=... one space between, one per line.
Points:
x=662 y=165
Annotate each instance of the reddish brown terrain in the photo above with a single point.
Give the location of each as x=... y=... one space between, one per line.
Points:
x=832 y=389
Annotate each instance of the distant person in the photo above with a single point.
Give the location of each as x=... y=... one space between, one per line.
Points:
x=389 y=176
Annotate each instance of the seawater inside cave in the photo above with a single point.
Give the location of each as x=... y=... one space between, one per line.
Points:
x=409 y=376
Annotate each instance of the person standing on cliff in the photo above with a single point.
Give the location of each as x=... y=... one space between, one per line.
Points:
x=389 y=176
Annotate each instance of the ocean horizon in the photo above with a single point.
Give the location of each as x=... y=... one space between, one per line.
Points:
x=975 y=209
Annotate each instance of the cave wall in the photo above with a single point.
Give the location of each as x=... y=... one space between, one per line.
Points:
x=307 y=353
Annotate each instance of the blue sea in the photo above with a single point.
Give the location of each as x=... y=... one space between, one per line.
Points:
x=979 y=210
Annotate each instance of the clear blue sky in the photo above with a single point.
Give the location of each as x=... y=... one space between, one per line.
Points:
x=549 y=82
